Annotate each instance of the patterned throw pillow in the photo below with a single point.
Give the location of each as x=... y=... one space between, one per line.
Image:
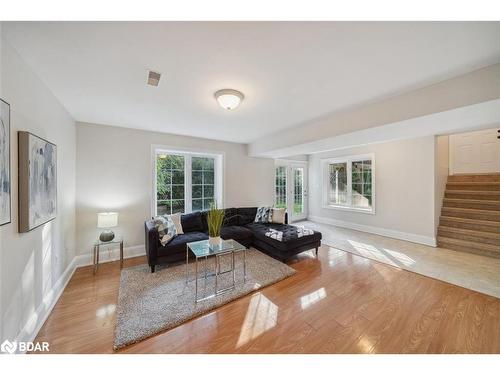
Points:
x=263 y=215
x=166 y=228
x=176 y=218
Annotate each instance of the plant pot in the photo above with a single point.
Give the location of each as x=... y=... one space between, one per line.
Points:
x=215 y=241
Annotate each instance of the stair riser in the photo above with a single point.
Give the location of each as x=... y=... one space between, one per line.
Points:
x=471 y=226
x=475 y=178
x=489 y=197
x=478 y=187
x=490 y=216
x=466 y=237
x=467 y=249
x=475 y=206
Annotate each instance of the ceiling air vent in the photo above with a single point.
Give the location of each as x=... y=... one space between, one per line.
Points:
x=153 y=78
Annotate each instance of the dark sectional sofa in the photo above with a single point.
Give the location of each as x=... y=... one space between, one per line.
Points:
x=239 y=225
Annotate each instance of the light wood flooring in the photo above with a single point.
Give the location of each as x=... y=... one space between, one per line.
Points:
x=339 y=303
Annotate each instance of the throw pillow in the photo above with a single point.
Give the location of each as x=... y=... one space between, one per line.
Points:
x=166 y=229
x=278 y=215
x=176 y=218
x=263 y=215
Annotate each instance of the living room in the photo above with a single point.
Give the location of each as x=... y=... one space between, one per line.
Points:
x=250 y=187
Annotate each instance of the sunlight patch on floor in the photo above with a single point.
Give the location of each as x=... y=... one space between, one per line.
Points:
x=261 y=316
x=310 y=299
x=365 y=345
x=105 y=311
x=392 y=257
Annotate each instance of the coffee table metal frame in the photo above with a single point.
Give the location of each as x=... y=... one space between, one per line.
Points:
x=227 y=247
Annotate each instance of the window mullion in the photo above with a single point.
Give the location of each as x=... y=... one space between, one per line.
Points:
x=349 y=183
x=188 y=178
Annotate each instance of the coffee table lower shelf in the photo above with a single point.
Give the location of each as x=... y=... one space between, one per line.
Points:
x=203 y=249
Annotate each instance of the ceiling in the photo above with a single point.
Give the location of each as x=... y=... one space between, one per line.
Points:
x=290 y=72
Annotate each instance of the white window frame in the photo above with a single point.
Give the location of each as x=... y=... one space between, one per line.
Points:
x=326 y=181
x=219 y=168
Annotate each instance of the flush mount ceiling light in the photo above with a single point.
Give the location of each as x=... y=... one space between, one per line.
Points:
x=228 y=98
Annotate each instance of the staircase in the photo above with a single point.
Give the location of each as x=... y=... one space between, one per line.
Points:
x=470 y=217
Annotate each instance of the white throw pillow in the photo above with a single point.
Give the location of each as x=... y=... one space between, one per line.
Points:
x=278 y=215
x=176 y=218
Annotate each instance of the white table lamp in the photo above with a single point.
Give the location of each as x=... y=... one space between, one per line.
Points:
x=107 y=220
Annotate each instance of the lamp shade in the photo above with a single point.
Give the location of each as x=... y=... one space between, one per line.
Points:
x=107 y=219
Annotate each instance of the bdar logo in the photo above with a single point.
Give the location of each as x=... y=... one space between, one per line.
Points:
x=8 y=347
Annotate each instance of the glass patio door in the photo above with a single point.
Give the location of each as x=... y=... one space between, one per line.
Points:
x=291 y=189
x=298 y=193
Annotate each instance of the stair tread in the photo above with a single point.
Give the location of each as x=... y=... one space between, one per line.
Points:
x=470 y=192
x=472 y=183
x=467 y=200
x=470 y=221
x=475 y=210
x=494 y=177
x=474 y=245
x=471 y=232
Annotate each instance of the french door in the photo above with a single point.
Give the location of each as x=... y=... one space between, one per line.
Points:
x=291 y=189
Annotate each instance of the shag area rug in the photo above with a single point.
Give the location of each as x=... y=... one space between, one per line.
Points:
x=149 y=303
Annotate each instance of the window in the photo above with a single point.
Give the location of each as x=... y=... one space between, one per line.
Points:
x=202 y=172
x=186 y=182
x=280 y=197
x=349 y=183
x=170 y=184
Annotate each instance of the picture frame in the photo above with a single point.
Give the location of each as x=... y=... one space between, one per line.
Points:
x=5 y=170
x=37 y=181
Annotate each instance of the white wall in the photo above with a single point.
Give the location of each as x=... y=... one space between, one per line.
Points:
x=32 y=264
x=405 y=189
x=114 y=172
x=442 y=170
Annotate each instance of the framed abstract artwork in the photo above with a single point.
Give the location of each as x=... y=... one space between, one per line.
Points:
x=37 y=181
x=5 y=183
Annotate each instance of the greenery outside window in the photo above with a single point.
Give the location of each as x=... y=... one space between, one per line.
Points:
x=349 y=183
x=186 y=182
x=280 y=186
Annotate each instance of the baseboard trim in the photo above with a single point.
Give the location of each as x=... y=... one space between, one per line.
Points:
x=110 y=256
x=38 y=317
x=411 y=237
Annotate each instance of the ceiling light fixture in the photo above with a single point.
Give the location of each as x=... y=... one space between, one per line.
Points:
x=228 y=98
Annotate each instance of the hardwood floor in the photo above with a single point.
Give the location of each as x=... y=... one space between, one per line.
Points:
x=339 y=303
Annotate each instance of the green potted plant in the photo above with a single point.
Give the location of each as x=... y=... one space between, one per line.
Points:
x=215 y=220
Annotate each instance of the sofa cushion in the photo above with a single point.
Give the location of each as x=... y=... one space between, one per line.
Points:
x=192 y=222
x=179 y=243
x=234 y=232
x=246 y=215
x=230 y=217
x=290 y=239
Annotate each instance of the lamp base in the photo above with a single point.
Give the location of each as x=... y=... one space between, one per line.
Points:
x=107 y=236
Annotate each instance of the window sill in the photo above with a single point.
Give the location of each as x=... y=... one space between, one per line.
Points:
x=352 y=209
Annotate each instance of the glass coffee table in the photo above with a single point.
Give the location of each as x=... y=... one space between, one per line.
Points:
x=203 y=249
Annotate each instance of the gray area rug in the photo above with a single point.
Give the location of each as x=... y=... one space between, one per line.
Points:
x=149 y=303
